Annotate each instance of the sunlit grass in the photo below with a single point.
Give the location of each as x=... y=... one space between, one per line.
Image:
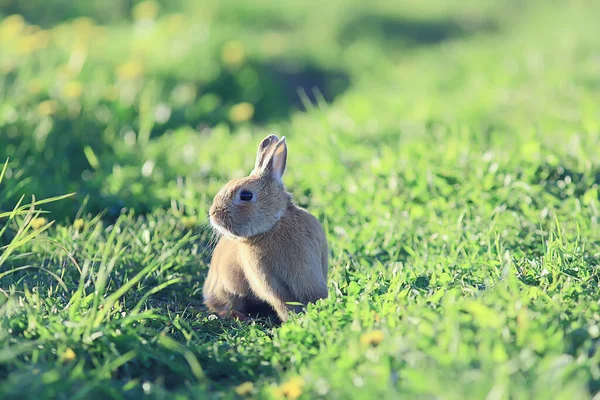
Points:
x=457 y=178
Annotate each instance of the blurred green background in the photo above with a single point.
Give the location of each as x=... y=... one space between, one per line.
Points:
x=129 y=103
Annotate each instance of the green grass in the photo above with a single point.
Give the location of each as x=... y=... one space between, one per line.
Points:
x=452 y=155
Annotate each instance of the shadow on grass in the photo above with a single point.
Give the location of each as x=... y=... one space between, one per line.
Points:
x=178 y=313
x=274 y=89
x=562 y=181
x=410 y=32
x=82 y=153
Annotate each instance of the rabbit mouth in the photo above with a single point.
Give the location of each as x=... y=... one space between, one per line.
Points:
x=219 y=227
x=222 y=224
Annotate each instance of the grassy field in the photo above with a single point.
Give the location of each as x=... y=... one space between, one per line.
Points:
x=451 y=151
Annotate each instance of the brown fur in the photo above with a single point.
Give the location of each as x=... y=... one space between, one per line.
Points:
x=272 y=252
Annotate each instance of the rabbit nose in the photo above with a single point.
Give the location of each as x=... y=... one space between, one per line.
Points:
x=213 y=211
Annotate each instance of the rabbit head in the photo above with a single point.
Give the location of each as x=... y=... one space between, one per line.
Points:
x=252 y=205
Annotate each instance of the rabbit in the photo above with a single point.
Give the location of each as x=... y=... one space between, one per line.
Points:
x=271 y=252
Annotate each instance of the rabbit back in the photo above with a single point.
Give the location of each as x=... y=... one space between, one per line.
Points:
x=290 y=262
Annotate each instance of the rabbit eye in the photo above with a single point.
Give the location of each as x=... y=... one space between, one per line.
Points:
x=245 y=195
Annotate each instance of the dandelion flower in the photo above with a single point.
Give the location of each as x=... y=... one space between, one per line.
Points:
x=12 y=25
x=373 y=338
x=37 y=223
x=189 y=222
x=233 y=53
x=29 y=44
x=69 y=354
x=73 y=90
x=241 y=112
x=244 y=389
x=78 y=224
x=292 y=389
x=46 y=108
x=130 y=70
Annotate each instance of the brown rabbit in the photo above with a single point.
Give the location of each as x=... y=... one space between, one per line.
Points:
x=272 y=252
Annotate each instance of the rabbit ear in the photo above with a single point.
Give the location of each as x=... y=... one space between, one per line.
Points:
x=263 y=152
x=275 y=164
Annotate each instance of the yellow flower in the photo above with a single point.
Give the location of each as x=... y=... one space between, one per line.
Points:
x=145 y=10
x=292 y=389
x=46 y=108
x=31 y=40
x=189 y=222
x=241 y=112
x=244 y=389
x=12 y=25
x=130 y=70
x=374 y=337
x=37 y=223
x=233 y=53
x=78 y=224
x=69 y=354
x=30 y=43
x=73 y=90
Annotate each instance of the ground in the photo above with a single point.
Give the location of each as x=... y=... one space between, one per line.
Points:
x=450 y=150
